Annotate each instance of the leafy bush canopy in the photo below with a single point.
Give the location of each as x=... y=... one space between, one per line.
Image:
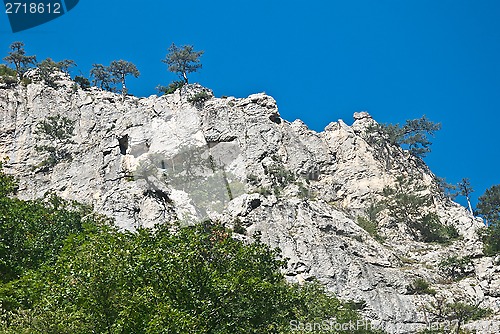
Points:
x=66 y=270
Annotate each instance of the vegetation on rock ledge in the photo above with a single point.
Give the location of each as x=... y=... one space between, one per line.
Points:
x=66 y=270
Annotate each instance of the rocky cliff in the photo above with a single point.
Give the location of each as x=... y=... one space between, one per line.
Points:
x=189 y=156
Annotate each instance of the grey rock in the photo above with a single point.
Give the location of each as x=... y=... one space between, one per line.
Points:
x=151 y=160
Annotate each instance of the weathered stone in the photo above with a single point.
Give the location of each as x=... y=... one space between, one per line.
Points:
x=157 y=159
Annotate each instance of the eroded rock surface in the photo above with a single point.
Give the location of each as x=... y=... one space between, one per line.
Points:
x=148 y=160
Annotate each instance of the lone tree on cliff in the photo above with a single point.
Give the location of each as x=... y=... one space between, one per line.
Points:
x=183 y=60
x=19 y=59
x=120 y=69
x=413 y=134
x=465 y=189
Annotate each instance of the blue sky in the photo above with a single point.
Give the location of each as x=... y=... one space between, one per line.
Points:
x=321 y=60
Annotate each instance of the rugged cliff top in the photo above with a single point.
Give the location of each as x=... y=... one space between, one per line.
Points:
x=183 y=157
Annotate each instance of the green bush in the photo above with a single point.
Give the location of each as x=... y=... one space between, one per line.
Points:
x=457 y=267
x=239 y=228
x=26 y=81
x=370 y=227
x=198 y=280
x=7 y=75
x=83 y=82
x=420 y=287
x=407 y=204
x=199 y=97
x=171 y=88
x=33 y=232
x=66 y=270
x=57 y=130
x=7 y=71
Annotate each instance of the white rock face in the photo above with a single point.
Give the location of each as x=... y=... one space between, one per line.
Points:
x=157 y=159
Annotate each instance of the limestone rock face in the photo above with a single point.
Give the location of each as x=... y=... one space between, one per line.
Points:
x=153 y=160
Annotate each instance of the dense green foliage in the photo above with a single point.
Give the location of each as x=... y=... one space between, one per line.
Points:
x=183 y=60
x=32 y=232
x=66 y=270
x=408 y=203
x=413 y=134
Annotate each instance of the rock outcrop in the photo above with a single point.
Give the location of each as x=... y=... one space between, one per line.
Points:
x=150 y=160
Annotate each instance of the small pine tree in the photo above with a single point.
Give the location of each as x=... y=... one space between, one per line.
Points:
x=183 y=60
x=407 y=204
x=19 y=59
x=47 y=70
x=413 y=134
x=101 y=77
x=465 y=189
x=65 y=64
x=120 y=69
x=489 y=208
x=489 y=205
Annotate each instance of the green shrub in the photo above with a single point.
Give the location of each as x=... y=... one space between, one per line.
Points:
x=407 y=204
x=199 y=97
x=33 y=232
x=26 y=81
x=171 y=88
x=57 y=130
x=370 y=227
x=420 y=286
x=456 y=267
x=83 y=82
x=239 y=228
x=7 y=71
x=196 y=280
x=8 y=76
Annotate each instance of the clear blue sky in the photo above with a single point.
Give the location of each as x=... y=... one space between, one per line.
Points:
x=321 y=60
